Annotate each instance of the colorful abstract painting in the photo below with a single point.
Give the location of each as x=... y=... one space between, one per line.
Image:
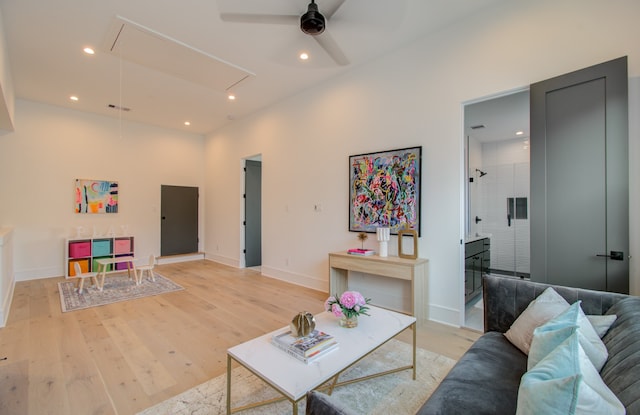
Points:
x=96 y=196
x=385 y=190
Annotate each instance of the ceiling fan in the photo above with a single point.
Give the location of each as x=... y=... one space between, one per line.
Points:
x=312 y=23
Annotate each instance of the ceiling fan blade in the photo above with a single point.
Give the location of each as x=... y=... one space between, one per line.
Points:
x=260 y=18
x=331 y=47
x=330 y=12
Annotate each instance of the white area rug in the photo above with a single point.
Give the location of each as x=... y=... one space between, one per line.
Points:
x=117 y=287
x=396 y=393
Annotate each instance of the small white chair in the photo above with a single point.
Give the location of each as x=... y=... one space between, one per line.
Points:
x=148 y=268
x=82 y=275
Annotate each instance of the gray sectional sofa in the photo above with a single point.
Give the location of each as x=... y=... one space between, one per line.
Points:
x=487 y=377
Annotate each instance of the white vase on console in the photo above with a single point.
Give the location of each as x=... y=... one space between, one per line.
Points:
x=383 y=235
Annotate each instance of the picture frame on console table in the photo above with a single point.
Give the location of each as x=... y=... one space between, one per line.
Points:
x=384 y=190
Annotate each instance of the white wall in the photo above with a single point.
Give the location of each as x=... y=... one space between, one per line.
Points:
x=412 y=97
x=7 y=97
x=52 y=146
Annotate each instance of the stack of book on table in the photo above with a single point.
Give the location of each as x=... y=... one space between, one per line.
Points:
x=362 y=252
x=307 y=348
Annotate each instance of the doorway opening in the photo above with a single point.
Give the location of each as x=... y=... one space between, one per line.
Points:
x=497 y=194
x=579 y=170
x=252 y=222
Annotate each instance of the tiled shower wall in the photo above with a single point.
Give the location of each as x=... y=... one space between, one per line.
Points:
x=507 y=166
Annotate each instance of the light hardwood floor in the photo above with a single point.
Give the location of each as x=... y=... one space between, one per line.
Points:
x=124 y=357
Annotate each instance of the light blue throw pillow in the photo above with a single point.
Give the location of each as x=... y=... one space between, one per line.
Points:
x=566 y=383
x=549 y=335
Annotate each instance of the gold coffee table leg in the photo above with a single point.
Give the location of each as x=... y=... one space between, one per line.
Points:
x=413 y=327
x=228 y=385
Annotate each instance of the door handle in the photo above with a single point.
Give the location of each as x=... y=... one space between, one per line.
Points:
x=613 y=255
x=478 y=219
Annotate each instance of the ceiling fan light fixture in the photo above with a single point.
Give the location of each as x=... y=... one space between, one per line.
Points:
x=312 y=22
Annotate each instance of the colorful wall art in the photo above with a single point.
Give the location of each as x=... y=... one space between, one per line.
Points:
x=96 y=196
x=384 y=190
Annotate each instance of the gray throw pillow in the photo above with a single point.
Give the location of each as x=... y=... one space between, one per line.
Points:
x=545 y=307
x=319 y=403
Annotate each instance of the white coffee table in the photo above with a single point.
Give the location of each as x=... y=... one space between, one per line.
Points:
x=293 y=378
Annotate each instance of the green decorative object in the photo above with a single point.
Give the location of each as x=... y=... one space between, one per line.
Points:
x=302 y=324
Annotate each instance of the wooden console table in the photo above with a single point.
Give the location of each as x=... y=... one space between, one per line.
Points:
x=414 y=270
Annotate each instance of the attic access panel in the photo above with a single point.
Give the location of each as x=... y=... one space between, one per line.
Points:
x=141 y=45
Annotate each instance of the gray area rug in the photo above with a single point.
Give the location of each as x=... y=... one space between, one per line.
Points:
x=396 y=393
x=117 y=287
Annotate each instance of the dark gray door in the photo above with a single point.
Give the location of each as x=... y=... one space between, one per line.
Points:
x=253 y=213
x=579 y=179
x=179 y=212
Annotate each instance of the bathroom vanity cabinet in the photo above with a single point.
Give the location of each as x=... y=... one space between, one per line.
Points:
x=476 y=264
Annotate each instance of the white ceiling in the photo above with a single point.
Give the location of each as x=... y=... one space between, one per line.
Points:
x=45 y=39
x=499 y=118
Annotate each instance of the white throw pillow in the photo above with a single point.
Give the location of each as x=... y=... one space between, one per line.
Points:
x=566 y=383
x=552 y=333
x=545 y=307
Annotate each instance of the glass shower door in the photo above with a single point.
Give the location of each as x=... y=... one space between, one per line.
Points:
x=504 y=206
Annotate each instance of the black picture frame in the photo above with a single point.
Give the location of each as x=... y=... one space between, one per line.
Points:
x=385 y=190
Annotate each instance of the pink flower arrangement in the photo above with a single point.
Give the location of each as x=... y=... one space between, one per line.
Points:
x=349 y=304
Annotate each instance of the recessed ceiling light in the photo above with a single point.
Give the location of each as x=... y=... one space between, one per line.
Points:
x=231 y=97
x=187 y=123
x=73 y=98
x=304 y=56
x=519 y=132
x=89 y=51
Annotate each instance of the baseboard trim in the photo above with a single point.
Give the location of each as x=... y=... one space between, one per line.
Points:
x=444 y=315
x=172 y=259
x=223 y=260
x=38 y=274
x=298 y=279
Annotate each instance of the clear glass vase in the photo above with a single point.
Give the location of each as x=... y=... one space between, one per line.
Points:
x=349 y=322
